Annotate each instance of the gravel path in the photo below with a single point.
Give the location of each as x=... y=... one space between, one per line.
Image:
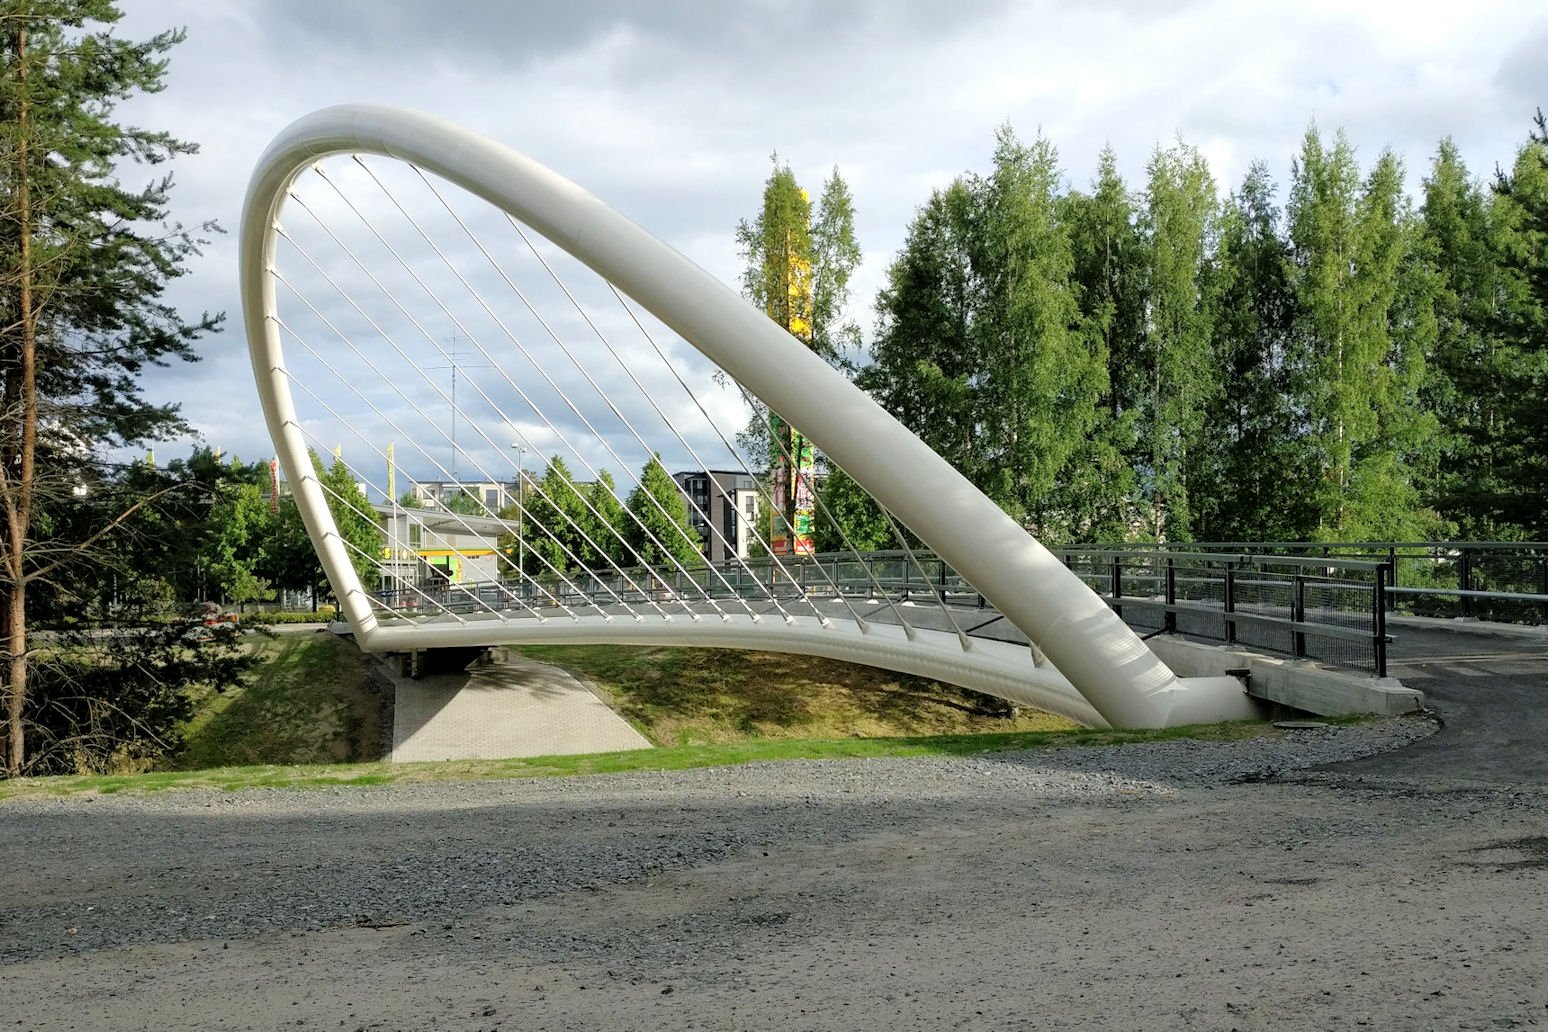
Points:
x=1175 y=885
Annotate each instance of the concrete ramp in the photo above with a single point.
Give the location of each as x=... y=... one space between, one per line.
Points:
x=508 y=708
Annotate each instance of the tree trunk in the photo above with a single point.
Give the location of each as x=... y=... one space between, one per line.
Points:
x=16 y=684
x=18 y=491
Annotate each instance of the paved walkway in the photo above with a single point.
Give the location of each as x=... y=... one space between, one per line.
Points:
x=1489 y=684
x=511 y=708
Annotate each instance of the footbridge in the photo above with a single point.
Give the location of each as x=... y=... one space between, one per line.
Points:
x=424 y=303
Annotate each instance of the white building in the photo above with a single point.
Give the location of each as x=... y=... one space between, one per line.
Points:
x=494 y=496
x=427 y=546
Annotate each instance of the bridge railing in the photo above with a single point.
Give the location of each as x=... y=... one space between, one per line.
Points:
x=1329 y=609
x=897 y=576
x=1322 y=608
x=1497 y=581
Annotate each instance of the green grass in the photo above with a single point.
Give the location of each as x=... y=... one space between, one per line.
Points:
x=305 y=701
x=305 y=718
x=681 y=696
x=680 y=757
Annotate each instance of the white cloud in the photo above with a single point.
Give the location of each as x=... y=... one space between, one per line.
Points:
x=670 y=110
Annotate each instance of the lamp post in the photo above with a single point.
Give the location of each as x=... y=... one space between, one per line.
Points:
x=521 y=504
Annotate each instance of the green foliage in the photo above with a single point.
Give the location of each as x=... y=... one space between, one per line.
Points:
x=980 y=347
x=1097 y=494
x=112 y=697
x=295 y=563
x=1517 y=373
x=1181 y=381
x=238 y=559
x=1359 y=381
x=1042 y=381
x=1351 y=368
x=410 y=500
x=1249 y=454
x=84 y=265
x=660 y=534
x=925 y=361
x=797 y=270
x=556 y=521
x=465 y=503
x=849 y=518
x=261 y=618
x=605 y=523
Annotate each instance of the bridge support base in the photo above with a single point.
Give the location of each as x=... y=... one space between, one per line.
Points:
x=453 y=659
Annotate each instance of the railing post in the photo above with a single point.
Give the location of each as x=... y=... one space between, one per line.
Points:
x=1392 y=561
x=1230 y=601
x=1465 y=578
x=1379 y=620
x=1298 y=613
x=1542 y=587
x=1170 y=623
x=941 y=576
x=1117 y=584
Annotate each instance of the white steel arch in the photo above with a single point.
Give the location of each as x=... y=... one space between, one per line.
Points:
x=1100 y=673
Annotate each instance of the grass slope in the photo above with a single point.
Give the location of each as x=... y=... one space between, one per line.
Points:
x=723 y=696
x=307 y=714
x=306 y=701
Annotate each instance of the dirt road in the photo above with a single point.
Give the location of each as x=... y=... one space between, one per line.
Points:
x=1013 y=891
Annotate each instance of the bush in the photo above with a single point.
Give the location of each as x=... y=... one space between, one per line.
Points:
x=112 y=698
x=324 y=614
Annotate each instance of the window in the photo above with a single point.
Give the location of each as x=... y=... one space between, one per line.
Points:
x=416 y=533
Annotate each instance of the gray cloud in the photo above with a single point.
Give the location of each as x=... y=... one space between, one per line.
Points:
x=669 y=110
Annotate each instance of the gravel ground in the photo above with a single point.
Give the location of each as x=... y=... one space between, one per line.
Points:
x=1174 y=885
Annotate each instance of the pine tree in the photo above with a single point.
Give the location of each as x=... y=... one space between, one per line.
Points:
x=1521 y=370
x=660 y=532
x=84 y=263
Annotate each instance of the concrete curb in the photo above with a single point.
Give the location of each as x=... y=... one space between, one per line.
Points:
x=1470 y=625
x=1297 y=683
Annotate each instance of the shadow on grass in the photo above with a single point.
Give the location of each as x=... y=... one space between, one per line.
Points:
x=307 y=701
x=679 y=695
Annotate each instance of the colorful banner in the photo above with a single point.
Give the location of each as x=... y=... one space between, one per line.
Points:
x=793 y=496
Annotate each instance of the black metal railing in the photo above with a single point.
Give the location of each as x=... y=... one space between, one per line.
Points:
x=1495 y=581
x=1330 y=610
x=1323 y=608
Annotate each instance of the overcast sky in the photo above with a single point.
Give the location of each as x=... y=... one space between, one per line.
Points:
x=669 y=109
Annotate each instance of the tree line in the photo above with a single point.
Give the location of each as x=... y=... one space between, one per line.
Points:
x=1173 y=362
x=569 y=527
